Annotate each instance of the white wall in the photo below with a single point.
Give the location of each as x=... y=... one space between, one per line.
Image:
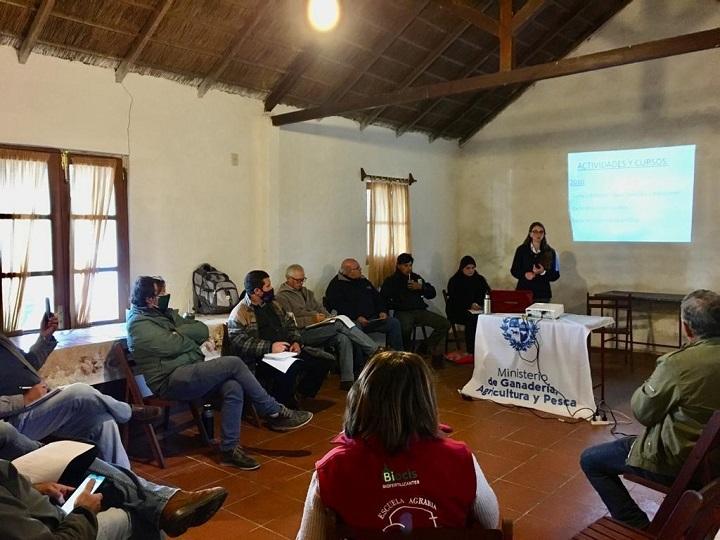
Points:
x=515 y=170
x=295 y=196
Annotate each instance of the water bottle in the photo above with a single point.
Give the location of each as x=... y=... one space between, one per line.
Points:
x=486 y=305
x=208 y=419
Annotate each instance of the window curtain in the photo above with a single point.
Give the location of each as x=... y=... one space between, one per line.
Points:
x=98 y=176
x=23 y=177
x=389 y=227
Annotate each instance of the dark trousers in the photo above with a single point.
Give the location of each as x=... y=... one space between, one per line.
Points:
x=469 y=321
x=422 y=317
x=304 y=378
x=603 y=464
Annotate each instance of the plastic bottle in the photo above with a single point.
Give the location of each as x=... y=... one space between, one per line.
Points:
x=486 y=305
x=208 y=418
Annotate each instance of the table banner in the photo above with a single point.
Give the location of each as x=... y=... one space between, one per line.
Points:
x=537 y=363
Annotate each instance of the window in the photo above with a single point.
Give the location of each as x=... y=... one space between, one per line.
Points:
x=388 y=226
x=63 y=236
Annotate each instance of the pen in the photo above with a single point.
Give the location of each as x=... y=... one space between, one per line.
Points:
x=25 y=388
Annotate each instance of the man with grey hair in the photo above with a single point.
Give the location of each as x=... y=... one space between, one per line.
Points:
x=674 y=405
x=353 y=346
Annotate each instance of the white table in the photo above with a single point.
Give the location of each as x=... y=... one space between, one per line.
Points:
x=537 y=363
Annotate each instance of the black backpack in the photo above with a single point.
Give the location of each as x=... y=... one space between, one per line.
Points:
x=213 y=291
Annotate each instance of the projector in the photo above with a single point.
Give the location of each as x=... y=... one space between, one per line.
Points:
x=545 y=311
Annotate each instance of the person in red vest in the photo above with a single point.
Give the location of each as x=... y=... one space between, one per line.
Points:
x=403 y=474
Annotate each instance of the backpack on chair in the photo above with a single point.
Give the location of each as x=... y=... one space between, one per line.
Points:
x=213 y=291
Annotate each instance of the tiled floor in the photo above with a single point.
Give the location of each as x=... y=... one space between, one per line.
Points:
x=532 y=463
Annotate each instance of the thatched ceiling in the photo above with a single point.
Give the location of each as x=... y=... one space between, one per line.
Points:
x=257 y=46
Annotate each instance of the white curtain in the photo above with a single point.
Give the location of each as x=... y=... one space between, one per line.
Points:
x=97 y=176
x=25 y=188
x=389 y=227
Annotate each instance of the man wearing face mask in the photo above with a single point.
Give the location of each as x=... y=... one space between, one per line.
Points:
x=166 y=349
x=259 y=325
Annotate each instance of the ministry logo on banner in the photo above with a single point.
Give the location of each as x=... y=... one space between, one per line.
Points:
x=519 y=333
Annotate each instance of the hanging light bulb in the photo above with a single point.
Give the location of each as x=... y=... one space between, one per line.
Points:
x=323 y=14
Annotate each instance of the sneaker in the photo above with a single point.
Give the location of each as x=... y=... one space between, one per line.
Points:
x=238 y=458
x=287 y=419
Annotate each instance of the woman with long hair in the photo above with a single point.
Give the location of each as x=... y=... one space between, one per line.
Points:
x=466 y=291
x=536 y=264
x=392 y=469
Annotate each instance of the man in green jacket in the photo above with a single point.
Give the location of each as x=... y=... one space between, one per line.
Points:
x=166 y=349
x=674 y=405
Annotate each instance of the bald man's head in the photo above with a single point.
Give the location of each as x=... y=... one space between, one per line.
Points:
x=350 y=268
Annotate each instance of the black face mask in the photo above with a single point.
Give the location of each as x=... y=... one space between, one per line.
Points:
x=268 y=296
x=163 y=302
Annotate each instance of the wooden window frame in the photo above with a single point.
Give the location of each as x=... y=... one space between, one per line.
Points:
x=60 y=217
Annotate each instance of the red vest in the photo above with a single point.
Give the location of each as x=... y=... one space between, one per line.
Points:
x=431 y=484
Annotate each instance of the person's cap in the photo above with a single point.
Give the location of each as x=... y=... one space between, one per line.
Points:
x=405 y=258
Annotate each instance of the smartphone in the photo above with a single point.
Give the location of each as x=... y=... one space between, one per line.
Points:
x=70 y=503
x=48 y=312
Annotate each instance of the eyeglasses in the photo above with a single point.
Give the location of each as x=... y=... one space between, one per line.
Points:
x=301 y=280
x=537 y=231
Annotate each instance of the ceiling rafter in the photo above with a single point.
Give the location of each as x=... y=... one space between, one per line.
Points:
x=651 y=50
x=302 y=61
x=539 y=49
x=472 y=15
x=151 y=25
x=526 y=13
x=536 y=49
x=507 y=50
x=380 y=48
x=419 y=69
x=38 y=23
x=234 y=48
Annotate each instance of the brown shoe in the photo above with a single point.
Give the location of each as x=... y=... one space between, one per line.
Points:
x=188 y=509
x=146 y=414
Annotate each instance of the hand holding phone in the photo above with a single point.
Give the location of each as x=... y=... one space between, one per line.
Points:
x=85 y=495
x=49 y=322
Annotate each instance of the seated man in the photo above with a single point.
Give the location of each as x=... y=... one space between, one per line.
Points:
x=295 y=298
x=404 y=292
x=258 y=325
x=350 y=293
x=75 y=411
x=674 y=405
x=166 y=348
x=130 y=506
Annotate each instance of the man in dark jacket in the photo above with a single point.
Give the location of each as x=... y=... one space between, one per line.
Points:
x=166 y=348
x=350 y=293
x=124 y=505
x=404 y=292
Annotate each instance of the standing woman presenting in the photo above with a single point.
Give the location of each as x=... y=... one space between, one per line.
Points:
x=536 y=264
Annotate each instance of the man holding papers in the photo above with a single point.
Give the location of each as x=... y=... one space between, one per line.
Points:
x=317 y=328
x=350 y=293
x=166 y=348
x=259 y=326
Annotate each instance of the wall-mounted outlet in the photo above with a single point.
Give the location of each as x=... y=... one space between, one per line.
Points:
x=234 y=159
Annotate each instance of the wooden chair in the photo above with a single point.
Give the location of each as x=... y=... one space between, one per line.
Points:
x=134 y=396
x=696 y=517
x=619 y=307
x=453 y=328
x=698 y=470
x=336 y=529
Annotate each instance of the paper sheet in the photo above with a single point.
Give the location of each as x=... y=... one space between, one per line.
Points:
x=280 y=361
x=47 y=463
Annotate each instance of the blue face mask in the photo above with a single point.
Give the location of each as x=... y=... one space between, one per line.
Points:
x=268 y=296
x=163 y=302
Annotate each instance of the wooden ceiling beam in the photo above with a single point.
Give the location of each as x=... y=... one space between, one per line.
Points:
x=536 y=48
x=472 y=15
x=151 y=25
x=379 y=49
x=507 y=51
x=651 y=50
x=419 y=69
x=302 y=61
x=38 y=23
x=526 y=13
x=226 y=59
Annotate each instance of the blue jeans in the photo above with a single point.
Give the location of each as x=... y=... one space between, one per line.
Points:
x=603 y=464
x=231 y=376
x=344 y=339
x=78 y=411
x=392 y=330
